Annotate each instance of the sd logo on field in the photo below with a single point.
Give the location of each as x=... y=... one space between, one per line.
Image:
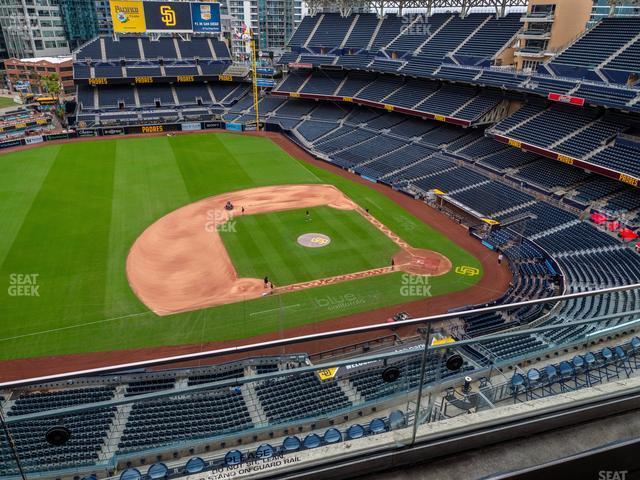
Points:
x=314 y=240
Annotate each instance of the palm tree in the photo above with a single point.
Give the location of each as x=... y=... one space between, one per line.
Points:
x=51 y=83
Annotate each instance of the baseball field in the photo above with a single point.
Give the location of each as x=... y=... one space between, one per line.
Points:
x=74 y=216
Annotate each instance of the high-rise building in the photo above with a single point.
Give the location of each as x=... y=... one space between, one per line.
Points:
x=80 y=20
x=619 y=8
x=272 y=22
x=33 y=28
x=103 y=13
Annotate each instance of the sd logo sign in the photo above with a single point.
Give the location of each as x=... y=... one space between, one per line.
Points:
x=168 y=16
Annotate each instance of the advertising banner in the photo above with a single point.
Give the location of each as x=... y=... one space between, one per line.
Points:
x=57 y=136
x=205 y=17
x=558 y=97
x=128 y=16
x=191 y=126
x=107 y=132
x=211 y=125
x=10 y=143
x=265 y=82
x=33 y=140
x=86 y=132
x=168 y=16
x=234 y=127
x=156 y=128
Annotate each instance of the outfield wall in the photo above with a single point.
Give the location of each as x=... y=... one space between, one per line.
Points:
x=118 y=131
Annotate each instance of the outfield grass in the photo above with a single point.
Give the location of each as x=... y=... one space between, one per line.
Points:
x=7 y=102
x=69 y=214
x=266 y=245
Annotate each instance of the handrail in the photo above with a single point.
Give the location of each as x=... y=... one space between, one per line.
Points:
x=323 y=335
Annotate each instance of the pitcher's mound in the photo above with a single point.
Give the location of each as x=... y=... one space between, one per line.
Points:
x=314 y=240
x=417 y=261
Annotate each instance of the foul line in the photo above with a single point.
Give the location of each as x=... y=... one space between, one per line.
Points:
x=72 y=326
x=273 y=309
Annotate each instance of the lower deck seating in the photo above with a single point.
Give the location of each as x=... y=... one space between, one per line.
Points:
x=83 y=448
x=304 y=396
x=160 y=422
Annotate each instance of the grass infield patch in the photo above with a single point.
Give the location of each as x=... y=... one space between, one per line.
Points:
x=266 y=245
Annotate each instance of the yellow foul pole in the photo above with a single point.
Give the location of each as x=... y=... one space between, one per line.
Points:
x=254 y=72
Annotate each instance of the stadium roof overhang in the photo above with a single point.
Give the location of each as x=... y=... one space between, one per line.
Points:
x=347 y=6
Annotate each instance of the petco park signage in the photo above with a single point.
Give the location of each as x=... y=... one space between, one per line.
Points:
x=173 y=17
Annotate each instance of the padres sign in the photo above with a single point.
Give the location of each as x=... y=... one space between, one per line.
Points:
x=168 y=16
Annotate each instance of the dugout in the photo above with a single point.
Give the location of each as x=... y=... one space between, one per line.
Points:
x=465 y=215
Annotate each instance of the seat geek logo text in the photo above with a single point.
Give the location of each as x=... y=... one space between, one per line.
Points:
x=23 y=285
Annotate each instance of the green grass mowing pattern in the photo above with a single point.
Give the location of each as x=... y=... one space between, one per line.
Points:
x=266 y=245
x=7 y=102
x=71 y=212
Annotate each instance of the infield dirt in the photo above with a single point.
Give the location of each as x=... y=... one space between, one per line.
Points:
x=179 y=263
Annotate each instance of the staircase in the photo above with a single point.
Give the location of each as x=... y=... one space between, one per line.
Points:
x=507 y=211
x=619 y=51
x=142 y=57
x=392 y=93
x=213 y=97
x=465 y=105
x=103 y=50
x=313 y=32
x=251 y=400
x=555 y=229
x=525 y=121
x=472 y=34
x=211 y=49
x=433 y=34
x=593 y=153
x=404 y=167
x=403 y=31
x=468 y=187
x=424 y=100
x=115 y=432
x=573 y=134
x=350 y=391
x=306 y=80
x=351 y=146
x=351 y=27
x=375 y=33
x=175 y=95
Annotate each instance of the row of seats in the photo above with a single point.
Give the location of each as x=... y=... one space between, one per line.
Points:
x=130 y=48
x=459 y=101
x=121 y=97
x=580 y=133
x=478 y=35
